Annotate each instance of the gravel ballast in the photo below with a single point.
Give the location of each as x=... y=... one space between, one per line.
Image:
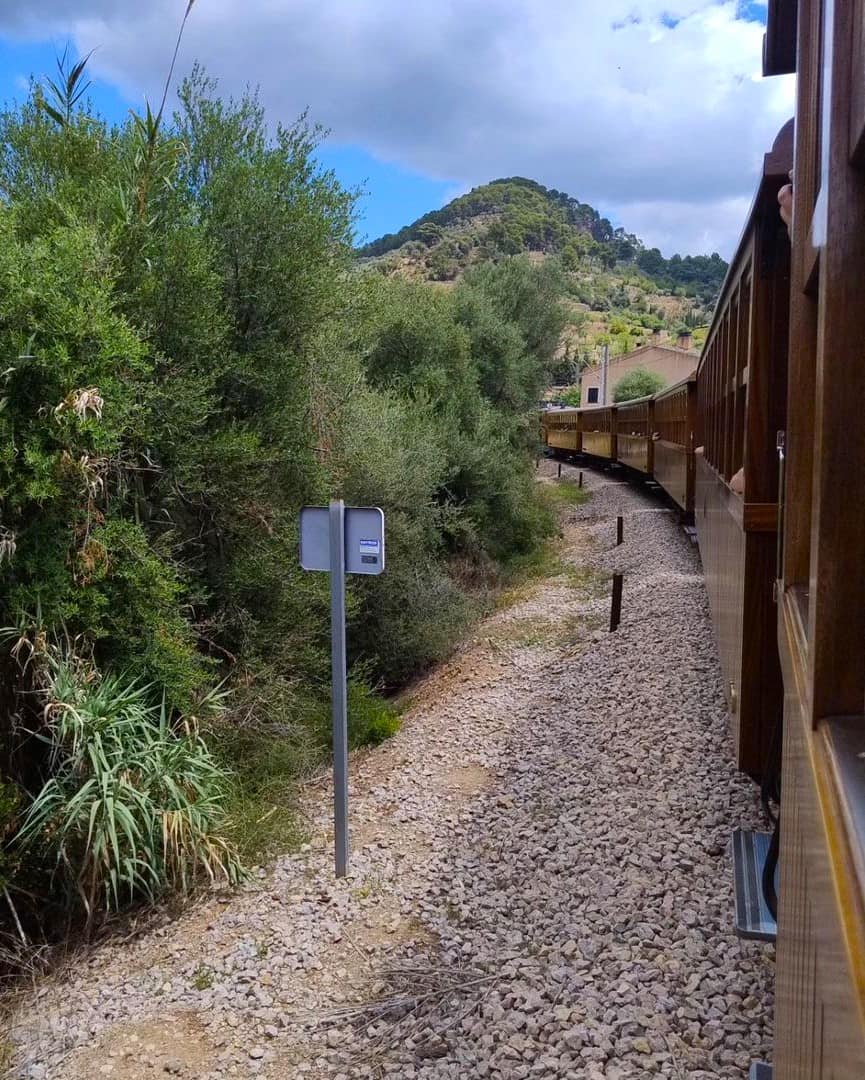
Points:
x=540 y=882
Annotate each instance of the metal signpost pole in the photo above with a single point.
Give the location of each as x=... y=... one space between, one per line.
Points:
x=341 y=540
x=338 y=684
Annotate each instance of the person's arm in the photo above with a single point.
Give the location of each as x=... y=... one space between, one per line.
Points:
x=785 y=201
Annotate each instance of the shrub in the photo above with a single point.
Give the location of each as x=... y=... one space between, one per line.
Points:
x=133 y=805
x=638 y=383
x=189 y=361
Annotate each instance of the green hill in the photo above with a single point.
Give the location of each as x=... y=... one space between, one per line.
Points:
x=619 y=289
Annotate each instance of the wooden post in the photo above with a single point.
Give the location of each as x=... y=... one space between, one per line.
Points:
x=620 y=530
x=616 y=605
x=580 y=484
x=559 y=474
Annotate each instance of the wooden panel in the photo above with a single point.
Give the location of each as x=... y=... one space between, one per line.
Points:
x=820 y=1000
x=820 y=993
x=673 y=466
x=760 y=517
x=562 y=439
x=561 y=429
x=836 y=629
x=598 y=443
x=722 y=549
x=857 y=104
x=738 y=566
x=599 y=432
x=675 y=423
x=766 y=405
x=741 y=383
x=803 y=309
x=634 y=431
x=634 y=451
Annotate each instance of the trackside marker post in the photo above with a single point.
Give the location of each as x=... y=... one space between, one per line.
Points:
x=339 y=690
x=339 y=540
x=616 y=604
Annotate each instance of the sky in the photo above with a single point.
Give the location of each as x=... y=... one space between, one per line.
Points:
x=653 y=111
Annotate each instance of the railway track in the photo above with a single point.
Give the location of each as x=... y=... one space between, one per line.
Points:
x=540 y=887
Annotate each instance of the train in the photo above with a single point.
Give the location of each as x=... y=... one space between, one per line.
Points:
x=763 y=450
x=653 y=438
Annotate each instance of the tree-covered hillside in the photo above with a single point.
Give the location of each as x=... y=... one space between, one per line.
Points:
x=618 y=291
x=509 y=216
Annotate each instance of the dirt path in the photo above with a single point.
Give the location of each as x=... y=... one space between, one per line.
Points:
x=539 y=881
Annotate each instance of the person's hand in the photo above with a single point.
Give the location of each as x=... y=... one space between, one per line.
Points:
x=785 y=201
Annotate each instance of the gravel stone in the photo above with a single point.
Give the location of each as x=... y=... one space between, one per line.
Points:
x=540 y=883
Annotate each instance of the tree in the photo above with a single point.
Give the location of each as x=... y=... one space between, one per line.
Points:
x=636 y=384
x=189 y=359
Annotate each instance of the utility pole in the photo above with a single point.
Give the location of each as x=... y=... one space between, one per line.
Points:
x=605 y=366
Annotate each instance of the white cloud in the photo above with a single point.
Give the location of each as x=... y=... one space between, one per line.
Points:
x=687 y=227
x=608 y=101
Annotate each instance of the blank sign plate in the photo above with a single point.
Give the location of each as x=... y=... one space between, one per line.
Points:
x=364 y=539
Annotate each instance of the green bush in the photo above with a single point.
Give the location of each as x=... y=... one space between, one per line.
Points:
x=133 y=805
x=638 y=383
x=190 y=359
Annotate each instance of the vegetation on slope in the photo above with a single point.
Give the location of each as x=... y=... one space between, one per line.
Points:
x=618 y=291
x=506 y=217
x=187 y=361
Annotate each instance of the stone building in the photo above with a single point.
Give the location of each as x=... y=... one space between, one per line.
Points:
x=672 y=361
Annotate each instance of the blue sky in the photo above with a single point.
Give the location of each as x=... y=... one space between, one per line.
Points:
x=393 y=195
x=652 y=111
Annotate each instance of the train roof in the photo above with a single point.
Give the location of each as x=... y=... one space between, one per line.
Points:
x=676 y=386
x=635 y=401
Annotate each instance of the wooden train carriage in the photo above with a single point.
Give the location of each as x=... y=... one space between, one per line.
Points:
x=599 y=431
x=741 y=386
x=820 y=993
x=634 y=434
x=675 y=421
x=562 y=428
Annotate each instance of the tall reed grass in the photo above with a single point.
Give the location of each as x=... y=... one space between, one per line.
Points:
x=133 y=805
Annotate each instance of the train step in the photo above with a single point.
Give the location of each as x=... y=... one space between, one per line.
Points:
x=752 y=918
x=760 y=1071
